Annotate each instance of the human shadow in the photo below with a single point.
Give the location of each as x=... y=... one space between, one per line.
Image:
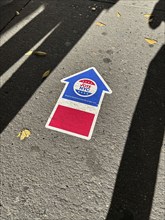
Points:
x=72 y=18
x=135 y=184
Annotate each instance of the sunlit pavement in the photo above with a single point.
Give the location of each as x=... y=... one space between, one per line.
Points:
x=119 y=173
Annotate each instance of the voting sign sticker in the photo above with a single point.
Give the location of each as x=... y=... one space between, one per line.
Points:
x=85 y=87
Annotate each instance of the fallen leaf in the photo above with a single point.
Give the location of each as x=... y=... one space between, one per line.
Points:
x=46 y=74
x=118 y=15
x=100 y=24
x=150 y=41
x=149 y=17
x=24 y=134
x=17 y=13
x=39 y=53
x=30 y=52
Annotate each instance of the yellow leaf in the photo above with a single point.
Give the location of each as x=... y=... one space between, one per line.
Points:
x=46 y=74
x=100 y=24
x=118 y=15
x=30 y=52
x=147 y=15
x=24 y=134
x=39 y=53
x=150 y=41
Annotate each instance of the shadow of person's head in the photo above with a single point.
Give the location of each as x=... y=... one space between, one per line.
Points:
x=158 y=15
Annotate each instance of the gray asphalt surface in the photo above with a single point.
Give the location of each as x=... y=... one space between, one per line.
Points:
x=119 y=173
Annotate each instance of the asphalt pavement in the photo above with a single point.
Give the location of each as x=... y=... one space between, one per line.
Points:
x=119 y=173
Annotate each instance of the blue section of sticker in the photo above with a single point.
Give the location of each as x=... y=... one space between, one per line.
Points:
x=86 y=87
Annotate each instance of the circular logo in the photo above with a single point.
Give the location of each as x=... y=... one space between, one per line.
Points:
x=85 y=87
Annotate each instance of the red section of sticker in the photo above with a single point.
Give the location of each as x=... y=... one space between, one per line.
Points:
x=88 y=81
x=72 y=120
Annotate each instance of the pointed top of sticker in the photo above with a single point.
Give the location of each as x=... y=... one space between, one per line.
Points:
x=90 y=76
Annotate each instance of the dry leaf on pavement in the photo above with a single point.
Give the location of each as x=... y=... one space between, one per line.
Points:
x=39 y=53
x=100 y=24
x=150 y=41
x=24 y=134
x=46 y=74
x=118 y=15
x=149 y=17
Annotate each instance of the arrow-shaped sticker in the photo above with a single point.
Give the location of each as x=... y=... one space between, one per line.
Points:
x=77 y=108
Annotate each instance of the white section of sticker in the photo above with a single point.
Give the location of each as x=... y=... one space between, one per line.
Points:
x=78 y=106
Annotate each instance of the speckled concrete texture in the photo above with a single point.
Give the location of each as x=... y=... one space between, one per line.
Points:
x=119 y=173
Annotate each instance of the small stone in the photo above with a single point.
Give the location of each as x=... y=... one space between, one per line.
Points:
x=17 y=13
x=17 y=199
x=93 y=8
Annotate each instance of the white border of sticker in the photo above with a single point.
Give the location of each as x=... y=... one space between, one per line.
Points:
x=71 y=106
